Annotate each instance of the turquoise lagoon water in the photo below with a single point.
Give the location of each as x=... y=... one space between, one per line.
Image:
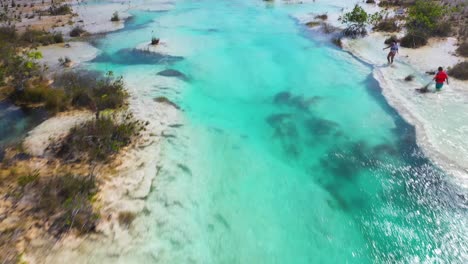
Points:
x=288 y=153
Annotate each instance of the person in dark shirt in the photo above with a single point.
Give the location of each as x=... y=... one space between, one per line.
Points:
x=393 y=51
x=440 y=78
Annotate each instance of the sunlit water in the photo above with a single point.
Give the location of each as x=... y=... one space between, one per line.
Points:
x=288 y=152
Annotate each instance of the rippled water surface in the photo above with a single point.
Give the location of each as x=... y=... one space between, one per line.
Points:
x=288 y=152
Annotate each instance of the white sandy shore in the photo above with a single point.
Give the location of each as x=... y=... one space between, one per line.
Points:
x=124 y=188
x=78 y=52
x=53 y=129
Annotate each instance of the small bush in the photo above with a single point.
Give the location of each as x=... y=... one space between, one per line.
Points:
x=41 y=37
x=99 y=139
x=321 y=17
x=370 y=1
x=89 y=89
x=154 y=41
x=463 y=49
x=387 y=25
x=391 y=39
x=58 y=37
x=442 y=29
x=8 y=33
x=126 y=218
x=65 y=62
x=115 y=17
x=60 y=10
x=56 y=101
x=67 y=201
x=460 y=71
x=388 y=3
x=413 y=41
x=337 y=42
x=77 y=32
x=28 y=178
x=312 y=23
x=328 y=28
x=409 y=78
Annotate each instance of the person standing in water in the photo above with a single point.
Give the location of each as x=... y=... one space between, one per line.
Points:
x=393 y=51
x=440 y=78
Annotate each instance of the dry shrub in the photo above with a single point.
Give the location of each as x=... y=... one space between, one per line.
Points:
x=126 y=218
x=460 y=71
x=463 y=49
x=387 y=25
x=413 y=41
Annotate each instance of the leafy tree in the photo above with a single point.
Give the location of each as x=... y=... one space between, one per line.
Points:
x=357 y=20
x=424 y=16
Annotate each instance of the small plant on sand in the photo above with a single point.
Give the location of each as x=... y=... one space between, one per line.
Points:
x=460 y=71
x=65 y=61
x=463 y=49
x=115 y=17
x=154 y=41
x=60 y=10
x=77 y=32
x=409 y=78
x=413 y=40
x=387 y=25
x=126 y=218
x=321 y=17
x=337 y=42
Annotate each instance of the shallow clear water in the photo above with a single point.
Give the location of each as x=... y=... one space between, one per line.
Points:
x=15 y=122
x=288 y=153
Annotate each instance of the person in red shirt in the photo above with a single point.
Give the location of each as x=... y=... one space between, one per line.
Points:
x=440 y=78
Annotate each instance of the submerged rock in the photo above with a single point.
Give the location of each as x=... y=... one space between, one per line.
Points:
x=274 y=119
x=173 y=73
x=136 y=56
x=282 y=98
x=298 y=101
x=319 y=126
x=164 y=100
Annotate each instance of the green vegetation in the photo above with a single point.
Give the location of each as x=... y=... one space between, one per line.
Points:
x=28 y=178
x=60 y=10
x=77 y=32
x=387 y=25
x=115 y=17
x=463 y=49
x=425 y=19
x=409 y=78
x=413 y=40
x=357 y=20
x=154 y=41
x=93 y=91
x=66 y=201
x=321 y=17
x=36 y=37
x=126 y=218
x=100 y=138
x=393 y=3
x=460 y=71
